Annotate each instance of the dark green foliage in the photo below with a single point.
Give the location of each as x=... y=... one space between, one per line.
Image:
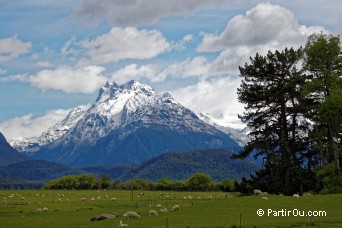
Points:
x=323 y=90
x=200 y=182
x=271 y=91
x=332 y=182
x=179 y=166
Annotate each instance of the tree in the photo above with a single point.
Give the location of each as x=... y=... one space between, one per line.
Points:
x=104 y=181
x=271 y=91
x=200 y=182
x=323 y=61
x=87 y=181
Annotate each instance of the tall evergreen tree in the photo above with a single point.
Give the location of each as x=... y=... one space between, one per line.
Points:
x=271 y=91
x=323 y=90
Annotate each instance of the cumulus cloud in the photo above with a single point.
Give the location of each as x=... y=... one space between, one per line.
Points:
x=11 y=48
x=28 y=126
x=216 y=96
x=125 y=43
x=133 y=71
x=264 y=27
x=67 y=79
x=132 y=13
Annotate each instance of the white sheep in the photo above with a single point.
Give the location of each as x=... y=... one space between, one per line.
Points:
x=176 y=207
x=295 y=195
x=158 y=206
x=131 y=214
x=59 y=200
x=264 y=193
x=67 y=200
x=264 y=198
x=83 y=199
x=113 y=199
x=39 y=209
x=257 y=192
x=4 y=201
x=164 y=210
x=92 y=199
x=45 y=209
x=189 y=197
x=153 y=213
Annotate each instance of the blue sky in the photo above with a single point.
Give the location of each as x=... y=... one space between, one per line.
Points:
x=55 y=55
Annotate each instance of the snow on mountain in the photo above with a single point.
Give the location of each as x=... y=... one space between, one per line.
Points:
x=239 y=135
x=50 y=135
x=132 y=122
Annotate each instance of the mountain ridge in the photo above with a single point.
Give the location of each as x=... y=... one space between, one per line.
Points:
x=132 y=123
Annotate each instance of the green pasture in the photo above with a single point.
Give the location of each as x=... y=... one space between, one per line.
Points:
x=204 y=209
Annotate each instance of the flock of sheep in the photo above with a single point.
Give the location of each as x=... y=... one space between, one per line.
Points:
x=265 y=194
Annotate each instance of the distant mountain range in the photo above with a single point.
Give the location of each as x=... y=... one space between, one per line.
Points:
x=175 y=166
x=127 y=123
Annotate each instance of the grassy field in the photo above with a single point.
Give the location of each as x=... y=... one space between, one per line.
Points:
x=205 y=209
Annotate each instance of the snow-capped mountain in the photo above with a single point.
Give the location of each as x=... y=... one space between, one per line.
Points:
x=131 y=123
x=239 y=135
x=50 y=135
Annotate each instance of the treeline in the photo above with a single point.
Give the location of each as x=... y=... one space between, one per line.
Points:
x=197 y=182
x=293 y=106
x=18 y=184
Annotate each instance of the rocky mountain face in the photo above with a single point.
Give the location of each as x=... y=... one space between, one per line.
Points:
x=55 y=132
x=239 y=135
x=9 y=155
x=130 y=123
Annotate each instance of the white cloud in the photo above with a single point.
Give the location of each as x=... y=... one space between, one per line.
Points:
x=128 y=13
x=11 y=48
x=265 y=24
x=217 y=97
x=198 y=67
x=29 y=127
x=265 y=27
x=69 y=80
x=125 y=43
x=132 y=71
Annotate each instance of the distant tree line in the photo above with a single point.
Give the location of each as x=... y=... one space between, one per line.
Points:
x=293 y=106
x=197 y=182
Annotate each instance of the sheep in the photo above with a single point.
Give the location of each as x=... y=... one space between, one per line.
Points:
x=39 y=209
x=37 y=195
x=264 y=198
x=67 y=200
x=131 y=214
x=158 y=206
x=257 y=192
x=164 y=210
x=122 y=224
x=99 y=197
x=92 y=199
x=83 y=199
x=176 y=207
x=189 y=197
x=4 y=202
x=295 y=196
x=45 y=209
x=264 y=193
x=113 y=199
x=153 y=213
x=167 y=197
x=106 y=196
x=59 y=200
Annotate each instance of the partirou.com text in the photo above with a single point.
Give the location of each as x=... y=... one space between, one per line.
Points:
x=292 y=212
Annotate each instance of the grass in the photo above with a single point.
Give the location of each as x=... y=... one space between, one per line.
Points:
x=219 y=210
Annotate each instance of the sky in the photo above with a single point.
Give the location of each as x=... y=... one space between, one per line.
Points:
x=55 y=55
